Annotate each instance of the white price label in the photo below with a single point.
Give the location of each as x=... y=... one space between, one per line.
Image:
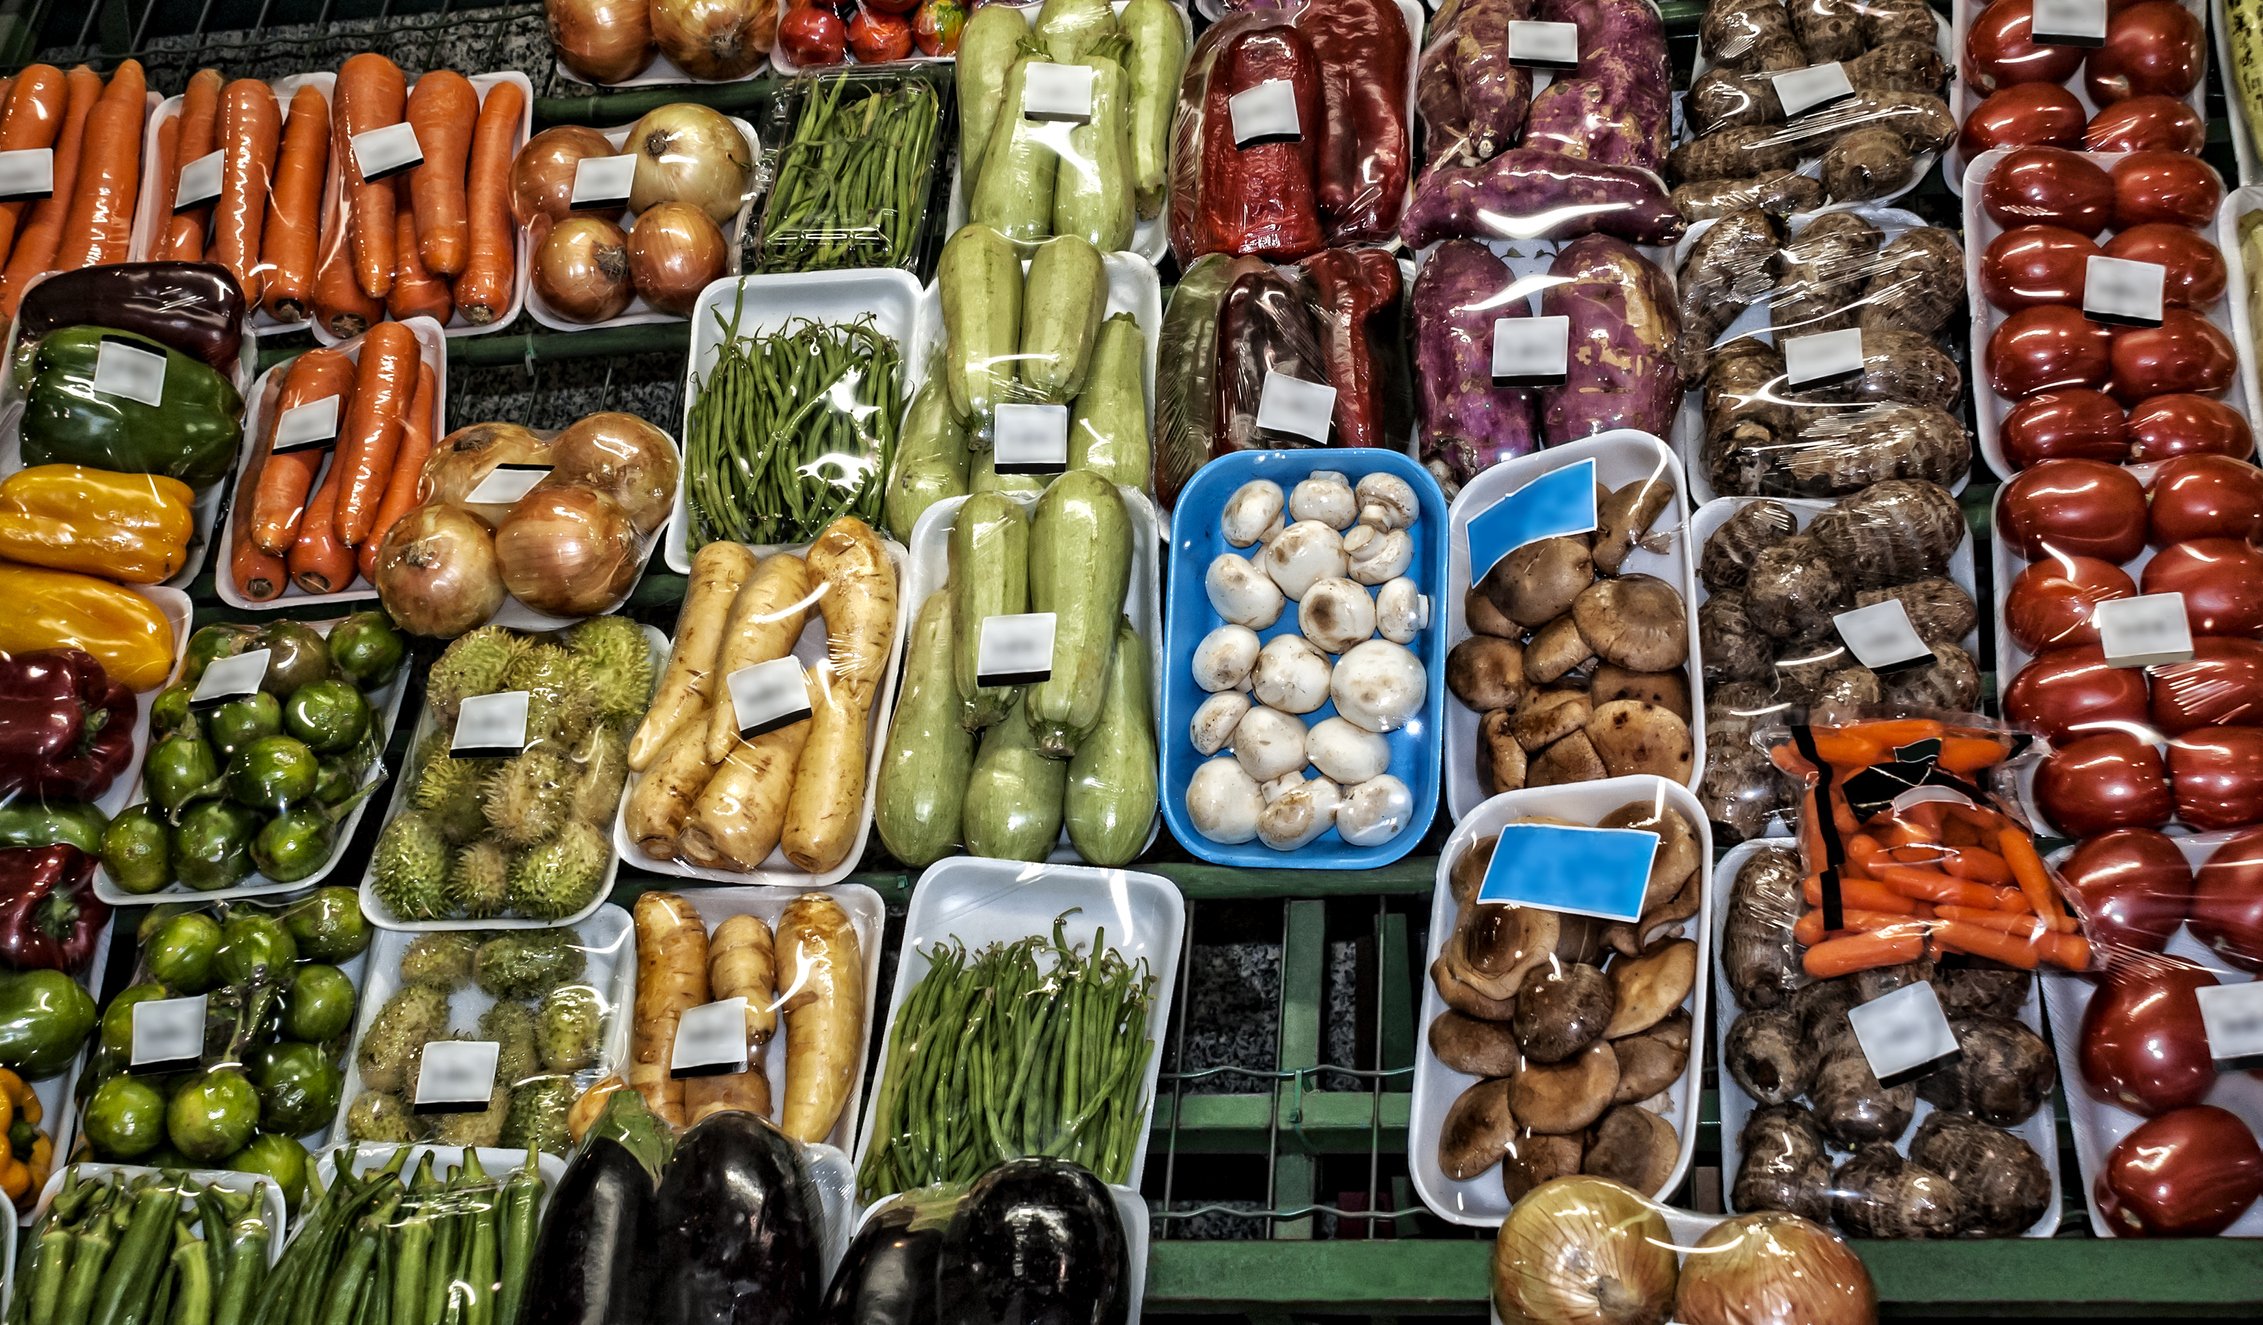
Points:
x=1822 y=356
x=27 y=174
x=2121 y=290
x=505 y=484
x=1537 y=45
x=2144 y=631
x=603 y=180
x=383 y=153
x=122 y=368
x=1059 y=91
x=456 y=1076
x=313 y=424
x=227 y=678
x=1014 y=650
x=1293 y=405
x=167 y=1031
x=1533 y=350
x=2069 y=23
x=768 y=695
x=1880 y=635
x=1268 y=110
x=710 y=1040
x=200 y=181
x=1031 y=439
x=1903 y=1031
x=490 y=725
x=2232 y=1018
x=1802 y=90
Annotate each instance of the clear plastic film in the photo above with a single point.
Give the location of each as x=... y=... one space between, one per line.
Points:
x=2016 y=88
x=454 y=1226
x=855 y=174
x=215 y=1235
x=1058 y=167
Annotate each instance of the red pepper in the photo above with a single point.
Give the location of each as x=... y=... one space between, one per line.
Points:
x=1267 y=324
x=1358 y=294
x=1362 y=46
x=1259 y=199
x=66 y=729
x=49 y=915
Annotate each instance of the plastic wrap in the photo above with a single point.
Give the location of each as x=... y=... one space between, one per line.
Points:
x=854 y=174
x=206 y=1236
x=452 y=1226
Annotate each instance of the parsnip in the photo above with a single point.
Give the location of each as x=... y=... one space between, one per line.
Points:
x=736 y=820
x=856 y=588
x=766 y=618
x=739 y=965
x=821 y=974
x=661 y=803
x=687 y=687
x=671 y=979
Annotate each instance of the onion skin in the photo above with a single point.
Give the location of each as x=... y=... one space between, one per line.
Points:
x=1583 y=1251
x=674 y=253
x=715 y=39
x=568 y=550
x=691 y=153
x=625 y=458
x=581 y=270
x=1772 y=1268
x=437 y=573
x=601 y=41
x=542 y=175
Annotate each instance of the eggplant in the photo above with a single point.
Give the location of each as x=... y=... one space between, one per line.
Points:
x=738 y=1229
x=888 y=1276
x=1036 y=1242
x=590 y=1257
x=194 y=307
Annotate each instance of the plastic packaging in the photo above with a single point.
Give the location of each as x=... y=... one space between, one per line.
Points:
x=836 y=137
x=722 y=44
x=236 y=1221
x=452 y=1223
x=2239 y=45
x=2239 y=237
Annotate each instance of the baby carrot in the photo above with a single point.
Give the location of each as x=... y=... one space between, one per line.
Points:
x=2034 y=881
x=1861 y=893
x=1833 y=958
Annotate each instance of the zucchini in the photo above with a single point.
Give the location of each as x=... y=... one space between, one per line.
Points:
x=1064 y=294
x=1111 y=796
x=1092 y=195
x=1013 y=795
x=989 y=577
x=1013 y=192
x=986 y=478
x=923 y=768
x=1157 y=58
x=931 y=456
x=1069 y=28
x=988 y=46
x=1080 y=552
x=979 y=277
x=1108 y=426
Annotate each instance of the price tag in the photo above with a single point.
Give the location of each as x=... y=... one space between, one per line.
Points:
x=2232 y=1018
x=2069 y=23
x=200 y=181
x=27 y=174
x=490 y=725
x=384 y=153
x=1586 y=871
x=168 y=1034
x=768 y=695
x=1293 y=405
x=313 y=424
x=1531 y=351
x=456 y=1076
x=1550 y=46
x=1803 y=90
x=505 y=484
x=1031 y=439
x=1903 y=1033
x=2144 y=631
x=1822 y=356
x=1061 y=92
x=603 y=181
x=710 y=1040
x=230 y=678
x=1014 y=650
x=122 y=368
x=1880 y=636
x=1557 y=503
x=2123 y=291
x=1268 y=110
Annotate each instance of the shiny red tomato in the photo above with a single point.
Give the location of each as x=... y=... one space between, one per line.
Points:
x=2187 y=1174
x=2221 y=683
x=2153 y=48
x=2227 y=901
x=2020 y=116
x=2052 y=602
x=2049 y=186
x=2072 y=508
x=2103 y=782
x=2205 y=496
x=2221 y=580
x=2185 y=424
x=878 y=38
x=937 y=26
x=2165 y=186
x=2071 y=692
x=812 y=35
x=2138 y=123
x=2132 y=886
x=2217 y=775
x=2039 y=349
x=2035 y=264
x=2186 y=352
x=2000 y=49
x=2141 y=1045
x=2072 y=424
x=2195 y=273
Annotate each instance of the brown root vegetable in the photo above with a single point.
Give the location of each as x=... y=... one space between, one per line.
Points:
x=1918 y=283
x=2003 y=1076
x=1939 y=609
x=1890 y=532
x=1730 y=267
x=1634 y=1146
x=1473 y=1046
x=1478 y=1129
x=1950 y=681
x=1763 y=1053
x=2003 y=1181
x=671 y=979
x=1561 y=1011
x=1730 y=645
x=1850 y=1105
x=1783 y=1164
x=1727 y=554
x=1974 y=991
x=740 y=814
x=740 y=964
x=1793 y=589
x=1878 y=1194
x=1868 y=163
x=661 y=803
x=821 y=970
x=1783 y=192
x=1759 y=957
x=1853 y=448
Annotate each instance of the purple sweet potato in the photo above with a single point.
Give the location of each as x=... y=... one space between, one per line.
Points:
x=1533 y=193
x=1438 y=100
x=1614 y=108
x=1495 y=94
x=1468 y=420
x=1623 y=333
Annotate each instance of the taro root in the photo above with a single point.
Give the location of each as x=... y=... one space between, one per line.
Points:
x=1763 y=1053
x=1848 y=687
x=1849 y=1103
x=1939 y=609
x=1890 y=533
x=1742 y=791
x=1729 y=550
x=1634 y=1146
x=1730 y=267
x=1758 y=954
x=2003 y=1076
x=1650 y=986
x=1536 y=1157
x=1822 y=1009
x=1971 y=991
x=1793 y=588
x=1561 y=1011
x=1783 y=1165
x=1653 y=1060
x=1878 y=1194
x=1821 y=270
x=1730 y=645
x=2002 y=1180
x=1566 y=1096
x=1477 y=1130
x=1473 y=1046
x=1950 y=681
x=1919 y=282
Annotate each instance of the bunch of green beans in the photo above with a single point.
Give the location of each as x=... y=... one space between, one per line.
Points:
x=851 y=183
x=792 y=430
x=157 y=1250
x=1028 y=1048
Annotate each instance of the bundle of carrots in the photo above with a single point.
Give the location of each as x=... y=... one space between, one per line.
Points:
x=94 y=131
x=313 y=516
x=1924 y=875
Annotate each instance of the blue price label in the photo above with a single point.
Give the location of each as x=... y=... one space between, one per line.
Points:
x=1551 y=506
x=1587 y=871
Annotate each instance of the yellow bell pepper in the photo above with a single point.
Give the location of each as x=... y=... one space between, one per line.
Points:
x=52 y=609
x=24 y=1160
x=131 y=527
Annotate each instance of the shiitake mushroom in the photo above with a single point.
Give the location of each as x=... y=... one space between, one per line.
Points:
x=1635 y=1146
x=1650 y=986
x=1850 y=1105
x=1784 y=1165
x=1477 y=1131
x=1765 y=1054
x=2002 y=1077
x=1566 y=1096
x=1878 y=1194
x=1561 y=1011
x=1652 y=1061
x=1474 y=1046
x=1536 y=1157
x=2002 y=1180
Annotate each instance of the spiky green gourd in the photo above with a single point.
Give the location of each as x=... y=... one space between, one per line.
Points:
x=537 y=1119
x=380 y=1115
x=528 y=797
x=396 y=1035
x=567 y=1026
x=601 y=765
x=479 y=880
x=619 y=658
x=409 y=867
x=442 y=960
x=450 y=791
x=558 y=877
x=474 y=664
x=561 y=698
x=510 y=1024
x=528 y=963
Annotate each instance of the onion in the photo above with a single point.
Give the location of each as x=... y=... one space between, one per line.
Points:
x=1773 y=1268
x=542 y=177
x=1583 y=1251
x=471 y=453
x=715 y=38
x=581 y=269
x=437 y=572
x=568 y=550
x=601 y=41
x=690 y=153
x=674 y=251
x=625 y=458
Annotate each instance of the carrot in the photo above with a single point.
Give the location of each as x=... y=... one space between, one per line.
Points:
x=1970 y=754
x=1861 y=893
x=384 y=381
x=1976 y=941
x=180 y=235
x=1833 y=958
x=319 y=563
x=250 y=124
x=168 y=173
x=1808 y=929
x=371 y=94
x=408 y=471
x=33 y=118
x=444 y=107
x=258 y=575
x=416 y=292
x=101 y=218
x=2003 y=922
x=279 y=500
x=2034 y=881
x=34 y=252
x=483 y=291
x=1846 y=749
x=1893 y=733
x=339 y=303
x=1980 y=865
x=1938 y=888
x=294 y=208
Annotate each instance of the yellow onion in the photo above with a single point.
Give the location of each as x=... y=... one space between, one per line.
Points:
x=436 y=571
x=715 y=38
x=625 y=458
x=471 y=453
x=581 y=269
x=568 y=550
x=686 y=152
x=1583 y=1251
x=1773 y=1268
x=674 y=253
x=542 y=175
x=601 y=41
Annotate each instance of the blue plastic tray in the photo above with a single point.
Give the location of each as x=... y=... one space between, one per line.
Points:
x=1196 y=540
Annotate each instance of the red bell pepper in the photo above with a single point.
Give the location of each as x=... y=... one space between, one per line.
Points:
x=1362 y=47
x=50 y=918
x=1358 y=294
x=1259 y=199
x=66 y=729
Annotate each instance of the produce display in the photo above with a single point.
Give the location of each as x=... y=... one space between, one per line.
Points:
x=137 y=1244
x=2134 y=86
x=610 y=42
x=854 y=176
x=129 y=634
x=813 y=34
x=91 y=133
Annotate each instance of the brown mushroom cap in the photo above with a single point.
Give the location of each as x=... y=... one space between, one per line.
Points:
x=1636 y=621
x=1556 y=648
x=1462 y=998
x=1486 y=619
x=1537 y=1157
x=1474 y=1046
x=1476 y=1133
x=1571 y=759
x=1566 y=1096
x=1548 y=716
x=1500 y=758
x=1536 y=583
x=1624 y=516
x=1668 y=690
x=1562 y=1010
x=1677 y=855
x=1635 y=1146
x=1654 y=1060
x=1630 y=736
x=1651 y=986
x=1486 y=672
x=1495 y=946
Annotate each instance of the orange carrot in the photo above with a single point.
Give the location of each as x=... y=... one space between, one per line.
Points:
x=250 y=124
x=483 y=291
x=279 y=500
x=1892 y=733
x=1861 y=893
x=1972 y=940
x=1808 y=929
x=1978 y=864
x=444 y=107
x=1847 y=749
x=2020 y=923
x=339 y=304
x=384 y=382
x=294 y=209
x=1833 y=958
x=34 y=253
x=1970 y=754
x=319 y=563
x=371 y=93
x=101 y=218
x=402 y=485
x=1938 y=888
x=180 y=234
x=258 y=575
x=416 y=292
x=32 y=120
x=2034 y=881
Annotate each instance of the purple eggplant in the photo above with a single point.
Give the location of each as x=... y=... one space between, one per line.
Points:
x=737 y=1228
x=1036 y=1242
x=194 y=307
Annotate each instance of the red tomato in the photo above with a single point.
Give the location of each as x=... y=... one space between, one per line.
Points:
x=889 y=6
x=2151 y=49
x=2195 y=269
x=2221 y=683
x=2132 y=887
x=2217 y=775
x=2052 y=601
x=2074 y=424
x=2073 y=691
x=2165 y=186
x=2035 y=264
x=937 y=26
x=2142 y=122
x=2227 y=901
x=2187 y=1174
x=810 y=35
x=2184 y=424
x=2103 y=782
x=2038 y=349
x=2020 y=116
x=2186 y=352
x=2000 y=49
x=878 y=38
x=2206 y=496
x=2072 y=508
x=2221 y=580
x=2048 y=186
x=2141 y=1045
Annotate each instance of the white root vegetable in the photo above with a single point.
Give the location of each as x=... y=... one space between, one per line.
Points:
x=1290 y=675
x=1252 y=512
x=1269 y=743
x=688 y=685
x=740 y=964
x=1223 y=659
x=850 y=571
x=766 y=618
x=1223 y=802
x=1213 y=726
x=671 y=979
x=1242 y=593
x=1325 y=496
x=821 y=974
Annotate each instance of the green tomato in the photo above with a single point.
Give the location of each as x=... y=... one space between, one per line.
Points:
x=239 y=722
x=328 y=925
x=212 y=642
x=213 y=1115
x=298 y=1087
x=294 y=844
x=45 y=1017
x=329 y=715
x=367 y=648
x=252 y=944
x=212 y=845
x=125 y=1118
x=318 y=1003
x=181 y=953
x=180 y=768
x=169 y=712
x=273 y=772
x=296 y=656
x=118 y=1020
x=279 y=1158
x=137 y=850
x=337 y=781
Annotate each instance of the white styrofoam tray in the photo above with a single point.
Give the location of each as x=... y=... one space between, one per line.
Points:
x=2244 y=290
x=1479 y=1202
x=1621 y=456
x=271 y=1195
x=2040 y=1130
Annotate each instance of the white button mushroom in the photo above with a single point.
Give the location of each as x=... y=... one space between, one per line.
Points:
x=1300 y=815
x=1223 y=659
x=1268 y=743
x=1213 y=726
x=1223 y=802
x=1348 y=753
x=1303 y=554
x=1280 y=786
x=1400 y=611
x=1377 y=555
x=1252 y=512
x=1291 y=675
x=1378 y=685
x=1326 y=496
x=1242 y=593
x=1387 y=502
x=1336 y=614
x=1372 y=813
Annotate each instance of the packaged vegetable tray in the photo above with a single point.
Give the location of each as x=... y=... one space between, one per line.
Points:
x=854 y=171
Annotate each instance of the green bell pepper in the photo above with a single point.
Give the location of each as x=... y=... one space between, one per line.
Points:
x=44 y=1017
x=31 y=823
x=191 y=435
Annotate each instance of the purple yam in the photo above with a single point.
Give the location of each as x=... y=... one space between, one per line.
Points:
x=1614 y=108
x=1623 y=332
x=1533 y=193
x=1494 y=93
x=1468 y=421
